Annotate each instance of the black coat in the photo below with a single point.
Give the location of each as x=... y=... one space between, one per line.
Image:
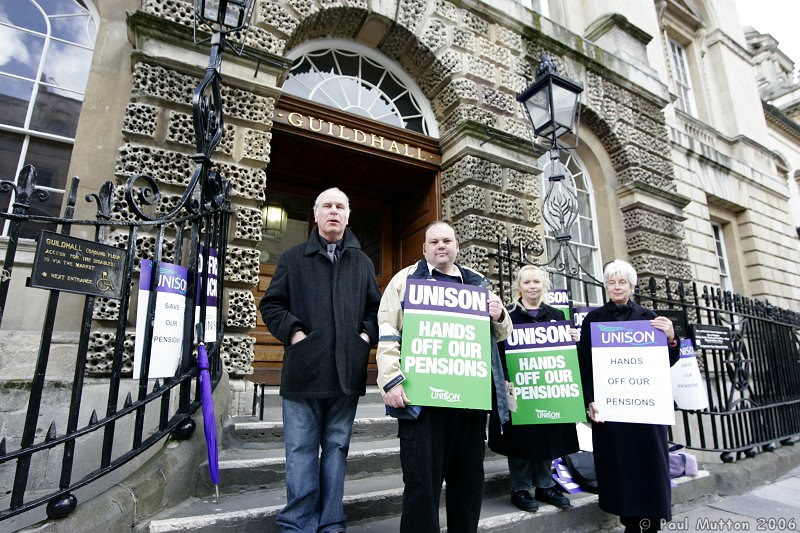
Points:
x=534 y=441
x=631 y=460
x=332 y=303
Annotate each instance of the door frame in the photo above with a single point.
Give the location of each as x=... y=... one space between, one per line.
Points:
x=303 y=119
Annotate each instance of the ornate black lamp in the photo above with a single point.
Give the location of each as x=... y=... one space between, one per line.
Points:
x=231 y=14
x=552 y=105
x=223 y=16
x=220 y=17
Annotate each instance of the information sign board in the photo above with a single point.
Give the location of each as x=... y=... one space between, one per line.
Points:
x=76 y=265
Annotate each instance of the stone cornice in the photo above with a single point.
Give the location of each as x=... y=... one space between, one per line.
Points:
x=143 y=26
x=637 y=191
x=508 y=150
x=774 y=116
x=719 y=36
x=606 y=23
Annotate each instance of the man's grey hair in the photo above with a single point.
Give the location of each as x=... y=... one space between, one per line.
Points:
x=618 y=267
x=333 y=189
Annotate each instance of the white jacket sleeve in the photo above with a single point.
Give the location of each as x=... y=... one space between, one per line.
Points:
x=390 y=328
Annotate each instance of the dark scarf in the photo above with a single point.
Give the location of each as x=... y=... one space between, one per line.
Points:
x=621 y=312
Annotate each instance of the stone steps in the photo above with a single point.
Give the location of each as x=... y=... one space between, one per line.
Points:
x=248 y=432
x=252 y=490
x=244 y=469
x=369 y=497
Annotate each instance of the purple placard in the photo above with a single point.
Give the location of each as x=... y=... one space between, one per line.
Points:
x=172 y=278
x=558 y=298
x=579 y=313
x=211 y=291
x=542 y=335
x=426 y=295
x=630 y=333
x=687 y=348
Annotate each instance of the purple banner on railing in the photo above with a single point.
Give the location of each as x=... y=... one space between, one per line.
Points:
x=212 y=291
x=213 y=275
x=171 y=278
x=579 y=313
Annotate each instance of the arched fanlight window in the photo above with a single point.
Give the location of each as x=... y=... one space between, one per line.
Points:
x=47 y=48
x=357 y=79
x=583 y=233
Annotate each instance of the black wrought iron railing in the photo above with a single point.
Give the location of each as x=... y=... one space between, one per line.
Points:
x=753 y=385
x=125 y=423
x=95 y=438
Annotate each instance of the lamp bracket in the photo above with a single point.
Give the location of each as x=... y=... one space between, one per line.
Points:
x=546 y=66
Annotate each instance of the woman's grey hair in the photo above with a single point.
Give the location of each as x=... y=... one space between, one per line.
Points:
x=333 y=189
x=529 y=272
x=618 y=267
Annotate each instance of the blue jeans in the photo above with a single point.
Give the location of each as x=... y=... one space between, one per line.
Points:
x=314 y=482
x=527 y=472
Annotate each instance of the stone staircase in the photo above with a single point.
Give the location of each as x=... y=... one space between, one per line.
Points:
x=252 y=490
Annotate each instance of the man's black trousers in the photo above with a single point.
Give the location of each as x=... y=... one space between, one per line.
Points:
x=442 y=444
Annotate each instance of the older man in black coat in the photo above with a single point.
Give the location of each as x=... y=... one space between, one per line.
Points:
x=322 y=304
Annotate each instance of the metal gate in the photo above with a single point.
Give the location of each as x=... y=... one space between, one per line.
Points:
x=142 y=225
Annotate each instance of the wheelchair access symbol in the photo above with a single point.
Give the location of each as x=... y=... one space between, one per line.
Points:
x=104 y=284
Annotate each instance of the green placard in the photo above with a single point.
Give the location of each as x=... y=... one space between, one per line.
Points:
x=446 y=353
x=542 y=362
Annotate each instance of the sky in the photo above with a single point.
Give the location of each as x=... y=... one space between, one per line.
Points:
x=776 y=17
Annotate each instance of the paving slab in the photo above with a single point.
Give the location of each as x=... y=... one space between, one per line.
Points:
x=755 y=507
x=779 y=493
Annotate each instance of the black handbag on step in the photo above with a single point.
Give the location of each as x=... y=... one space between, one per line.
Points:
x=581 y=468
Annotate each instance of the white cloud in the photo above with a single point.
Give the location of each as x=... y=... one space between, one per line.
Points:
x=12 y=45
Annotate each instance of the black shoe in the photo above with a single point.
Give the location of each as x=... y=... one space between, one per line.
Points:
x=553 y=496
x=523 y=500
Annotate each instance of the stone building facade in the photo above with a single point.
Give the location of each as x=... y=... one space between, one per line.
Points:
x=674 y=153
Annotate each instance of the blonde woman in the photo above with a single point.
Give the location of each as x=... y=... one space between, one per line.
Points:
x=531 y=448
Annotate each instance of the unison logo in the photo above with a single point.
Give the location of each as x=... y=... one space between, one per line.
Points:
x=441 y=394
x=622 y=335
x=544 y=413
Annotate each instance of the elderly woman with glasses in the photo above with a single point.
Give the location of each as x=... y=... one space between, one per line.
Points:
x=531 y=448
x=631 y=460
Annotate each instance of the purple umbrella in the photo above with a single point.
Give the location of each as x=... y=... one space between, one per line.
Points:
x=209 y=420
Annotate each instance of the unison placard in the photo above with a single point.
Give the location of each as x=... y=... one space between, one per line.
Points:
x=167 y=342
x=688 y=386
x=210 y=326
x=630 y=362
x=446 y=345
x=542 y=362
x=559 y=298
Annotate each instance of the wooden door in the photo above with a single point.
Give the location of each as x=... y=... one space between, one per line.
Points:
x=393 y=197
